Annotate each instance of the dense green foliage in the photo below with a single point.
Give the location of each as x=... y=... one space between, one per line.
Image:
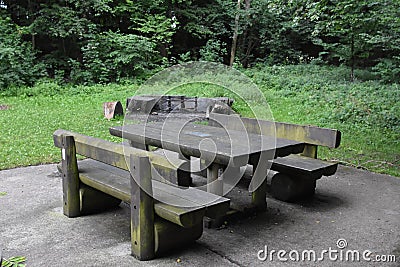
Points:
x=17 y=60
x=90 y=41
x=367 y=113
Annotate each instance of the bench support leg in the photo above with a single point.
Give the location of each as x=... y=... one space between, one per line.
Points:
x=170 y=236
x=142 y=209
x=310 y=151
x=289 y=188
x=93 y=201
x=70 y=178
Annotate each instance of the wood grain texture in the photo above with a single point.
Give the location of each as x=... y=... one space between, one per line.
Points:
x=302 y=133
x=117 y=155
x=296 y=164
x=70 y=177
x=142 y=209
x=207 y=142
x=193 y=203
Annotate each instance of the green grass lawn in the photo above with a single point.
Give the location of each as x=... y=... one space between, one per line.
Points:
x=27 y=126
x=366 y=112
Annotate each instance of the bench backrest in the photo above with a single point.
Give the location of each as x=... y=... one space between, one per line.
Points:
x=118 y=155
x=303 y=133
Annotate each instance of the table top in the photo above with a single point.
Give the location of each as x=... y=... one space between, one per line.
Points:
x=213 y=144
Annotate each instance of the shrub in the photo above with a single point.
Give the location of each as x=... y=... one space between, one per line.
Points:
x=388 y=70
x=17 y=58
x=213 y=51
x=111 y=56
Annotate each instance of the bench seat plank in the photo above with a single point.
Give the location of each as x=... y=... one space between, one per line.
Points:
x=296 y=164
x=192 y=203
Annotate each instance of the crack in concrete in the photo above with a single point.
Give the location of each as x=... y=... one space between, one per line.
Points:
x=222 y=255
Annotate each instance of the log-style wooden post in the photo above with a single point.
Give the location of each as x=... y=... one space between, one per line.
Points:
x=142 y=209
x=215 y=186
x=70 y=177
x=259 y=196
x=214 y=183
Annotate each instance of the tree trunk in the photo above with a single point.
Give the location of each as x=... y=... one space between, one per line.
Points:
x=247 y=42
x=235 y=35
x=352 y=61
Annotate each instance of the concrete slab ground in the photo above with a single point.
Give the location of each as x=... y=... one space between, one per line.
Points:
x=360 y=207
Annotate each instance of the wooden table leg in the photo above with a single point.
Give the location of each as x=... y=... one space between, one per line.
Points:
x=215 y=186
x=214 y=183
x=259 y=196
x=231 y=176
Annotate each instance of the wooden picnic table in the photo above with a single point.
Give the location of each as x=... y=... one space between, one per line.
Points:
x=219 y=147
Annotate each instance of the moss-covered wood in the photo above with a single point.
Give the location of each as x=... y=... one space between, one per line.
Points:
x=259 y=195
x=170 y=236
x=183 y=206
x=70 y=178
x=117 y=155
x=220 y=147
x=304 y=166
x=291 y=188
x=163 y=216
x=142 y=209
x=94 y=201
x=297 y=173
x=303 y=133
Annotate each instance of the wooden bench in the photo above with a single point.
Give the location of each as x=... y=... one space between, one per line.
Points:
x=163 y=215
x=297 y=174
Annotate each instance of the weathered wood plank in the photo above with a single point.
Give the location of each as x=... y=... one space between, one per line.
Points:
x=188 y=145
x=182 y=180
x=295 y=164
x=170 y=236
x=70 y=177
x=190 y=198
x=118 y=155
x=224 y=148
x=142 y=209
x=302 y=133
x=111 y=183
x=193 y=203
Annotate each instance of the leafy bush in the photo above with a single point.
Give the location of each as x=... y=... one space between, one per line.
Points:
x=17 y=58
x=111 y=56
x=388 y=70
x=213 y=51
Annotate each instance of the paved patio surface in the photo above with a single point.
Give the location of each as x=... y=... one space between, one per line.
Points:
x=361 y=207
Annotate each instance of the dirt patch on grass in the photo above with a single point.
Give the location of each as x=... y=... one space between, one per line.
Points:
x=4 y=107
